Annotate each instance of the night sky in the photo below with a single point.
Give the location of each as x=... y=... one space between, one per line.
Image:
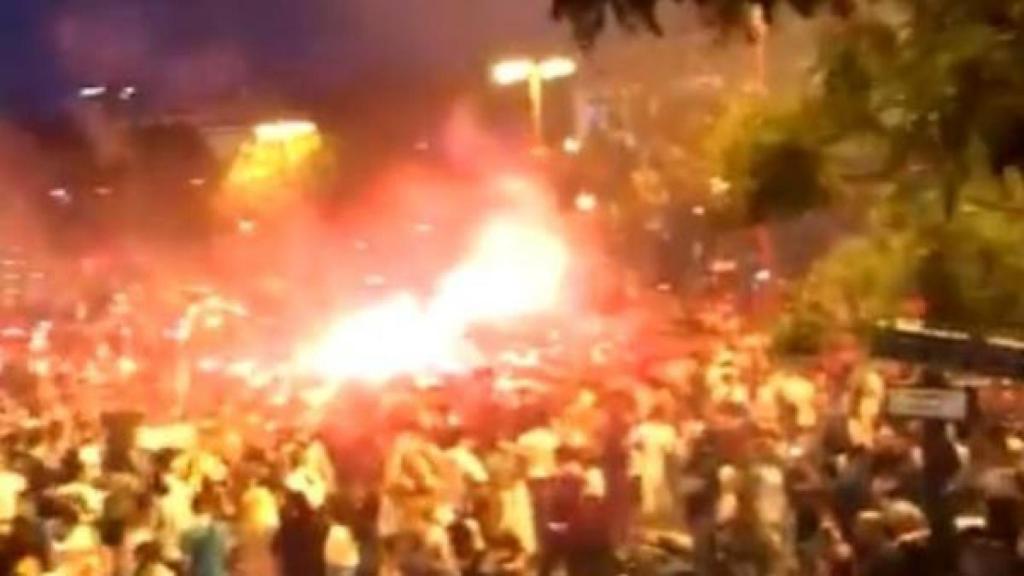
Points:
x=182 y=52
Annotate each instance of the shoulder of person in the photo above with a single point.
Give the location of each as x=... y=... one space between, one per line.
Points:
x=339 y=532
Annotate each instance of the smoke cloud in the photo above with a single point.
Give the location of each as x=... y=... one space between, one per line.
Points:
x=186 y=50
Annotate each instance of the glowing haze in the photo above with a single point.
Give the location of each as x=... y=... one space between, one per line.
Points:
x=514 y=265
x=516 y=268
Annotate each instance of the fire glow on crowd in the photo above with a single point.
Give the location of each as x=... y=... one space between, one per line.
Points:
x=462 y=394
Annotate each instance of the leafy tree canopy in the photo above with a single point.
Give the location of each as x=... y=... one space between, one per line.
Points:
x=589 y=18
x=915 y=112
x=769 y=165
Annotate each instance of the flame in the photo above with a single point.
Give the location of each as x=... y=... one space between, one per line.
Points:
x=516 y=267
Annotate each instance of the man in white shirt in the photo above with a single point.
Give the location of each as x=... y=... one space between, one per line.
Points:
x=539 y=445
x=174 y=507
x=341 y=551
x=653 y=442
x=12 y=485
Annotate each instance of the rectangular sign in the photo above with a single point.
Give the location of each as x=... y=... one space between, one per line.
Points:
x=934 y=403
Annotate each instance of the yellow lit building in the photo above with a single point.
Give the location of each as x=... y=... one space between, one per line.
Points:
x=270 y=164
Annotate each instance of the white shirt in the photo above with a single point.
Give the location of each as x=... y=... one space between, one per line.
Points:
x=771 y=502
x=80 y=551
x=306 y=482
x=517 y=516
x=12 y=485
x=469 y=464
x=340 y=548
x=540 y=446
x=259 y=510
x=652 y=442
x=176 y=516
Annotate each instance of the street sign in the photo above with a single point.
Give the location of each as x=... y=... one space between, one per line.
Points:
x=931 y=403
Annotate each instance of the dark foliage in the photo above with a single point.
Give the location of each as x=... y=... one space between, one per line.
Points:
x=588 y=18
x=788 y=182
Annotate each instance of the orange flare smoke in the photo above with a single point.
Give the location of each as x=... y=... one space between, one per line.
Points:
x=516 y=268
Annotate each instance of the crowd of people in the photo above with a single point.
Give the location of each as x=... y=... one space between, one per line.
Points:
x=723 y=461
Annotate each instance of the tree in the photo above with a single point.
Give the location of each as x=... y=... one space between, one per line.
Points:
x=767 y=163
x=589 y=18
x=937 y=88
x=915 y=115
x=967 y=269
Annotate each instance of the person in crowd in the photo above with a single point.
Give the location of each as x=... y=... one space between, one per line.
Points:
x=909 y=539
x=206 y=544
x=539 y=445
x=80 y=551
x=256 y=527
x=510 y=498
x=12 y=485
x=341 y=548
x=175 y=512
x=24 y=547
x=504 y=556
x=739 y=464
x=655 y=440
x=874 y=556
x=149 y=560
x=575 y=532
x=301 y=540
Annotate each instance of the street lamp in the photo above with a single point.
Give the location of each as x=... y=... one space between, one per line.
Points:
x=284 y=131
x=269 y=164
x=534 y=73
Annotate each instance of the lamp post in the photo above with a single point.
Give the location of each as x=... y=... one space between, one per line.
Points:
x=534 y=73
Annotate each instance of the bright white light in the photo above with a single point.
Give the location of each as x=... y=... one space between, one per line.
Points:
x=284 y=130
x=572 y=146
x=512 y=71
x=719 y=185
x=92 y=91
x=586 y=202
x=520 y=69
x=241 y=368
x=246 y=226
x=763 y=275
x=127 y=366
x=127 y=93
x=557 y=67
x=516 y=268
x=698 y=210
x=61 y=196
x=209 y=365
